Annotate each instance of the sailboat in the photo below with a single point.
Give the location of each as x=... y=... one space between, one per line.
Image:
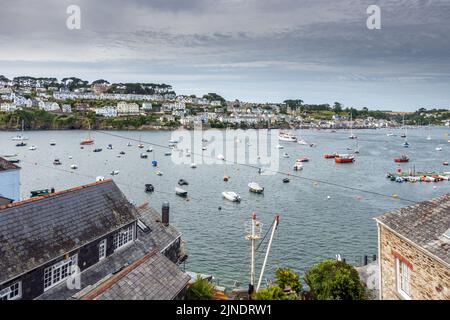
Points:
x=89 y=140
x=429 y=136
x=403 y=135
x=20 y=137
x=352 y=136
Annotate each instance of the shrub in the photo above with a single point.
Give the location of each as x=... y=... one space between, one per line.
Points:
x=201 y=289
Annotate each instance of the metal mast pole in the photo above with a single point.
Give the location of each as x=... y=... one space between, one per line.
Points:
x=275 y=225
x=253 y=240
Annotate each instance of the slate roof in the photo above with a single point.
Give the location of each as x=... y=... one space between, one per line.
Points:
x=6 y=165
x=424 y=224
x=38 y=230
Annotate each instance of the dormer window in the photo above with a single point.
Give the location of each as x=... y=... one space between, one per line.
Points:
x=12 y=292
x=123 y=237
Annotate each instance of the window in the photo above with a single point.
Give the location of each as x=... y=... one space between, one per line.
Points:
x=123 y=237
x=59 y=272
x=102 y=250
x=403 y=279
x=12 y=292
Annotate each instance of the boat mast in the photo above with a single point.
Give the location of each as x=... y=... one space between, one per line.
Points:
x=252 y=237
x=275 y=225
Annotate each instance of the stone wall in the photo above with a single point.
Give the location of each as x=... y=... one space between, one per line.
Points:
x=429 y=279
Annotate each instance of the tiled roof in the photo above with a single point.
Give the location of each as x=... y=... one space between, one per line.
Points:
x=38 y=230
x=153 y=278
x=6 y=165
x=424 y=224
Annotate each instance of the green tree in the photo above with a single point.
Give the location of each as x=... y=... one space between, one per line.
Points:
x=274 y=292
x=286 y=277
x=335 y=280
x=201 y=289
x=337 y=107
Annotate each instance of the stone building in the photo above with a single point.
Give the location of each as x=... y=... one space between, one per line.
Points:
x=414 y=251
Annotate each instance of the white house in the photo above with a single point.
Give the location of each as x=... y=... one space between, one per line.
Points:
x=66 y=108
x=216 y=103
x=9 y=180
x=49 y=106
x=147 y=106
x=107 y=111
x=8 y=107
x=125 y=108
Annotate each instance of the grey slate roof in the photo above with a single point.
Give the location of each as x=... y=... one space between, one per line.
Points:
x=38 y=230
x=424 y=224
x=158 y=278
x=6 y=165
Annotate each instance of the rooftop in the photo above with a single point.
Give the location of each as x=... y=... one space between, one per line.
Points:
x=6 y=165
x=38 y=230
x=424 y=224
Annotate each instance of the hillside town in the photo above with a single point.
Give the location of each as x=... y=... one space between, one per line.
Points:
x=157 y=106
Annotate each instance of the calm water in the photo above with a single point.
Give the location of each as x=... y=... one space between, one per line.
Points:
x=317 y=221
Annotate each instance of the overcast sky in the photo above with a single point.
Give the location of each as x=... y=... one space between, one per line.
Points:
x=252 y=50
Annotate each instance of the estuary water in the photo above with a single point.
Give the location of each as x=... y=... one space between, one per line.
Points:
x=318 y=218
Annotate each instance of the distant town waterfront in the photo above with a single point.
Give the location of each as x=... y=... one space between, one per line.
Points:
x=317 y=220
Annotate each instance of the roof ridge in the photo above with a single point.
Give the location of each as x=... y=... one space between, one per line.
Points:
x=19 y=203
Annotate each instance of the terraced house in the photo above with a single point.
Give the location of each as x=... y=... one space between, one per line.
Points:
x=88 y=243
x=414 y=251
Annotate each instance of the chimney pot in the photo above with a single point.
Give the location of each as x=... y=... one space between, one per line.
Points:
x=165 y=213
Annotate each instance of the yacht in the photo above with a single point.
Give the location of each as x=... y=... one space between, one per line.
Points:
x=114 y=172
x=73 y=166
x=33 y=148
x=20 y=137
x=231 y=196
x=283 y=136
x=302 y=142
x=180 y=192
x=279 y=147
x=193 y=165
x=255 y=187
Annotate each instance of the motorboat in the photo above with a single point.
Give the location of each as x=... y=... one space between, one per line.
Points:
x=403 y=158
x=109 y=147
x=122 y=152
x=390 y=134
x=21 y=144
x=87 y=141
x=182 y=182
x=285 y=155
x=140 y=146
x=255 y=187
x=298 y=166
x=149 y=150
x=438 y=149
x=154 y=163
x=193 y=165
x=73 y=166
x=302 y=142
x=53 y=144
x=279 y=147
x=56 y=162
x=167 y=153
x=283 y=136
x=231 y=196
x=445 y=163
x=286 y=180
x=203 y=148
x=173 y=141
x=98 y=150
x=330 y=155
x=149 y=188
x=220 y=157
x=226 y=178
x=159 y=173
x=303 y=159
x=344 y=158
x=144 y=156
x=180 y=192
x=100 y=178
x=114 y=172
x=70 y=157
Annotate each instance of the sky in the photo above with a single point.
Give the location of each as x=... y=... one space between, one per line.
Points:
x=320 y=51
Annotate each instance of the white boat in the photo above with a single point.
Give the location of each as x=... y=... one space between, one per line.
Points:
x=193 y=165
x=390 y=134
x=203 y=148
x=352 y=136
x=33 y=148
x=20 y=137
x=114 y=172
x=438 y=149
x=285 y=155
x=428 y=138
x=159 y=173
x=180 y=192
x=279 y=147
x=220 y=157
x=129 y=144
x=255 y=187
x=99 y=178
x=302 y=142
x=298 y=166
x=70 y=157
x=231 y=196
x=283 y=136
x=74 y=166
x=173 y=141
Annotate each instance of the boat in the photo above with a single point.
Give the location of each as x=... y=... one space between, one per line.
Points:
x=193 y=165
x=226 y=178
x=344 y=158
x=403 y=158
x=167 y=153
x=255 y=187
x=122 y=152
x=73 y=166
x=53 y=143
x=129 y=144
x=302 y=142
x=149 y=187
x=231 y=196
x=285 y=155
x=284 y=136
x=390 y=134
x=159 y=173
x=14 y=160
x=351 y=136
x=403 y=135
x=144 y=156
x=203 y=148
x=149 y=150
x=303 y=159
x=445 y=163
x=438 y=149
x=298 y=166
x=154 y=163
x=98 y=150
x=180 y=192
x=279 y=147
x=330 y=155
x=109 y=147
x=114 y=172
x=21 y=144
x=286 y=180
x=182 y=182
x=220 y=157
x=406 y=144
x=56 y=162
x=100 y=178
x=173 y=141
x=20 y=137
x=140 y=146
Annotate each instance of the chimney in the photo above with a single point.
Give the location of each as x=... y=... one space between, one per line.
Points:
x=165 y=214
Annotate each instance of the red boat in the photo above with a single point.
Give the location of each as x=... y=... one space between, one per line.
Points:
x=445 y=163
x=403 y=158
x=303 y=159
x=86 y=142
x=329 y=156
x=344 y=158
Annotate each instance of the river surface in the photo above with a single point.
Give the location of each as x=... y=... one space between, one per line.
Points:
x=318 y=220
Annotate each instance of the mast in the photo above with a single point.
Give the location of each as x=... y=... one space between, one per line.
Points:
x=253 y=235
x=275 y=225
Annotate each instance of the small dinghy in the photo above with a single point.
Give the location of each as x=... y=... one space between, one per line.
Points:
x=182 y=182
x=98 y=150
x=303 y=159
x=140 y=146
x=56 y=162
x=193 y=165
x=144 y=156
x=438 y=149
x=302 y=142
x=220 y=157
x=114 y=172
x=154 y=163
x=298 y=166
x=255 y=187
x=149 y=150
x=100 y=178
x=168 y=153
x=285 y=155
x=286 y=180
x=122 y=152
x=21 y=144
x=53 y=143
x=279 y=147
x=180 y=192
x=203 y=148
x=73 y=166
x=226 y=178
x=231 y=196
x=32 y=148
x=149 y=188
x=109 y=147
x=159 y=173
